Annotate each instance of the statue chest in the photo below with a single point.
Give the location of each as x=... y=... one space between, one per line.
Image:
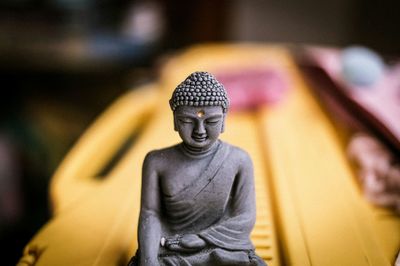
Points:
x=199 y=203
x=182 y=175
x=189 y=178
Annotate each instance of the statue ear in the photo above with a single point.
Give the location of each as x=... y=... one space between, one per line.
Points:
x=223 y=124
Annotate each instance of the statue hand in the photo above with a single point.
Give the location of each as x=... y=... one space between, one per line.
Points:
x=192 y=241
x=186 y=243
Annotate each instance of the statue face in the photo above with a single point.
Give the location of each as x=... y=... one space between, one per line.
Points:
x=199 y=127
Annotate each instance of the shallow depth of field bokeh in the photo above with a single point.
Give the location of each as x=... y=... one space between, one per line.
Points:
x=63 y=62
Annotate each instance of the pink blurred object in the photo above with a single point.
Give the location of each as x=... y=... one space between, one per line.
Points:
x=377 y=169
x=251 y=88
x=378 y=106
x=373 y=110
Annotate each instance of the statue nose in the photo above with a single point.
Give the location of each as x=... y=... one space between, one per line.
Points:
x=200 y=130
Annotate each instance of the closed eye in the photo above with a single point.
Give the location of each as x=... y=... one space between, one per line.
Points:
x=185 y=121
x=212 y=122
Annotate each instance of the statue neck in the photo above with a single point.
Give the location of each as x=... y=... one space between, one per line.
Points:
x=199 y=152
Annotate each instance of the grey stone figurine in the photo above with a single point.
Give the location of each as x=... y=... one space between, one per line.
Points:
x=198 y=199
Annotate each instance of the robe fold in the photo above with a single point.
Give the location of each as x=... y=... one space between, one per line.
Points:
x=219 y=207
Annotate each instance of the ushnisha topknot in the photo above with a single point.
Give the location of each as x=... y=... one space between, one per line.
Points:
x=200 y=89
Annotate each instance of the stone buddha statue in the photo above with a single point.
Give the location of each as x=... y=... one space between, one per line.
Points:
x=198 y=199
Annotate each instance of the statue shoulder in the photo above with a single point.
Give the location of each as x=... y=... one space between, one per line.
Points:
x=239 y=156
x=157 y=158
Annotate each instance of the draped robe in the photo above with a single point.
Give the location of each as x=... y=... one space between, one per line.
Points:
x=219 y=207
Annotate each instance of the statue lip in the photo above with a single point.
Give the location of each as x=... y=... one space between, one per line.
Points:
x=199 y=138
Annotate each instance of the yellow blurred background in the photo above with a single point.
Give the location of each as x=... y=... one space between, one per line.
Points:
x=63 y=62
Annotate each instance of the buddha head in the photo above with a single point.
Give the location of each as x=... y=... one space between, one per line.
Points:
x=199 y=104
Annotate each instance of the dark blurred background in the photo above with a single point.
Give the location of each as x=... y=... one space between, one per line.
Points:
x=62 y=62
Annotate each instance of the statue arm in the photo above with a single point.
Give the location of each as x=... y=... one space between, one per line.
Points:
x=232 y=232
x=243 y=201
x=149 y=229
